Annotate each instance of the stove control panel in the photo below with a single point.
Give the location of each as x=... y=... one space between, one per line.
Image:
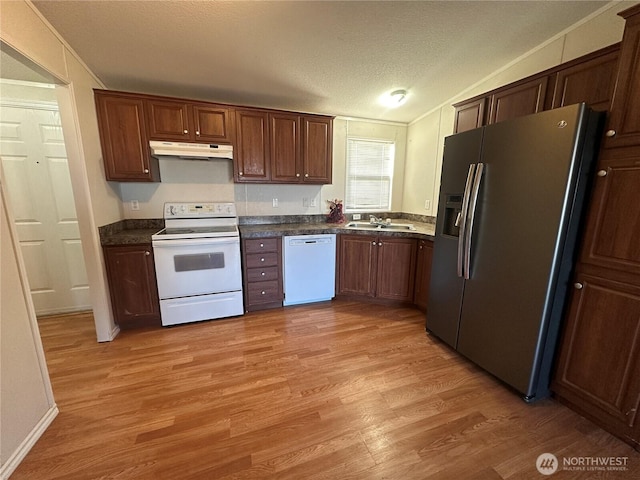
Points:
x=199 y=210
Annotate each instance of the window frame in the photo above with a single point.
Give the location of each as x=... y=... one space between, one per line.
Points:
x=384 y=141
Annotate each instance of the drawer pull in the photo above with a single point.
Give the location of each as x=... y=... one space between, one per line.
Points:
x=610 y=133
x=262 y=273
x=262 y=259
x=262 y=245
x=263 y=292
x=602 y=173
x=578 y=286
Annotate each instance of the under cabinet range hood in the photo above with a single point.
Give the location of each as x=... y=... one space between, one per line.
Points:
x=197 y=151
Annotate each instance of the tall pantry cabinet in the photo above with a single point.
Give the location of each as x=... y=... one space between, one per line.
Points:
x=598 y=367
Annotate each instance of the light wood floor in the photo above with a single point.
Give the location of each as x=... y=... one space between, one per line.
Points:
x=332 y=391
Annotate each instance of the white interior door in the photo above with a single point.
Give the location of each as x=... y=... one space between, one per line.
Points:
x=37 y=179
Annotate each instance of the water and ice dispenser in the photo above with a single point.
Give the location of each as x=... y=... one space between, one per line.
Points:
x=452 y=212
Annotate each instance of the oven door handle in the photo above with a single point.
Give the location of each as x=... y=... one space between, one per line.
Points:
x=183 y=242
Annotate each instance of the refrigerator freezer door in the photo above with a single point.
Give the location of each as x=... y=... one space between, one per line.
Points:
x=524 y=204
x=445 y=290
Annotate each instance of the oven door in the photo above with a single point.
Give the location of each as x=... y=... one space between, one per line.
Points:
x=197 y=266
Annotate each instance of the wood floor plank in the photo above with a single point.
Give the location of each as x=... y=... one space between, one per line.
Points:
x=338 y=390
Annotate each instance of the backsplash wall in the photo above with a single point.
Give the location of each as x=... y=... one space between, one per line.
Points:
x=194 y=180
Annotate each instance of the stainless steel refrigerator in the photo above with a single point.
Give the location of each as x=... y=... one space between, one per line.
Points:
x=511 y=200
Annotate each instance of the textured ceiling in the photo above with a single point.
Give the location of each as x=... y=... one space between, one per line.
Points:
x=324 y=57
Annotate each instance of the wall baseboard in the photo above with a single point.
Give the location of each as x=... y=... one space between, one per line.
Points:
x=27 y=444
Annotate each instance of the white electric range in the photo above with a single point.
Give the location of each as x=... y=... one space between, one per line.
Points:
x=197 y=259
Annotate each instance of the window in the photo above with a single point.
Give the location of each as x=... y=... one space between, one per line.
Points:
x=369 y=174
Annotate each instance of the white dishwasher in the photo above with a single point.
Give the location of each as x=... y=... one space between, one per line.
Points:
x=309 y=268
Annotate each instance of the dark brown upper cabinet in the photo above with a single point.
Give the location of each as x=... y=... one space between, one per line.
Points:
x=591 y=81
x=518 y=100
x=623 y=127
x=470 y=114
x=124 y=138
x=251 y=155
x=189 y=122
x=282 y=147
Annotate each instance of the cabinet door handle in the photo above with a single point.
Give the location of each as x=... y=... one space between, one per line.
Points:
x=197 y=132
x=147 y=253
x=578 y=286
x=373 y=243
x=610 y=133
x=146 y=170
x=240 y=173
x=602 y=173
x=185 y=131
x=379 y=244
x=297 y=174
x=306 y=175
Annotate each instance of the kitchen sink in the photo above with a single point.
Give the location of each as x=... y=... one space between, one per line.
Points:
x=391 y=226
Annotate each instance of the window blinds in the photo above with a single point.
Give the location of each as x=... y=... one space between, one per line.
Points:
x=369 y=174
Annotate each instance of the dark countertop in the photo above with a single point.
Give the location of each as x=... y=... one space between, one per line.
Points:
x=135 y=232
x=424 y=231
x=129 y=232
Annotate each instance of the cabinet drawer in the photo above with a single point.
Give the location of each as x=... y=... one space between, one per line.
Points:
x=263 y=292
x=256 y=260
x=263 y=274
x=257 y=245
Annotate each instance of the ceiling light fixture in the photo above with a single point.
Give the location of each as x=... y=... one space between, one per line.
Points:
x=398 y=97
x=394 y=98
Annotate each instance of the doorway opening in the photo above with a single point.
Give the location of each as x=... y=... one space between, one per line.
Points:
x=36 y=176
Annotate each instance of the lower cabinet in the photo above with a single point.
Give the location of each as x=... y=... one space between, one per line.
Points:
x=598 y=370
x=132 y=283
x=262 y=265
x=423 y=274
x=377 y=266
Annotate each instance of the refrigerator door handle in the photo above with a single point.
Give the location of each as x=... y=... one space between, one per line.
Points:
x=463 y=216
x=473 y=201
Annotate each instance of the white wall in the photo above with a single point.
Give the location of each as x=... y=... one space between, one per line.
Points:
x=426 y=135
x=26 y=400
x=213 y=180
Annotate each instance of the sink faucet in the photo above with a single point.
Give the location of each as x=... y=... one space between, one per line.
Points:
x=373 y=220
